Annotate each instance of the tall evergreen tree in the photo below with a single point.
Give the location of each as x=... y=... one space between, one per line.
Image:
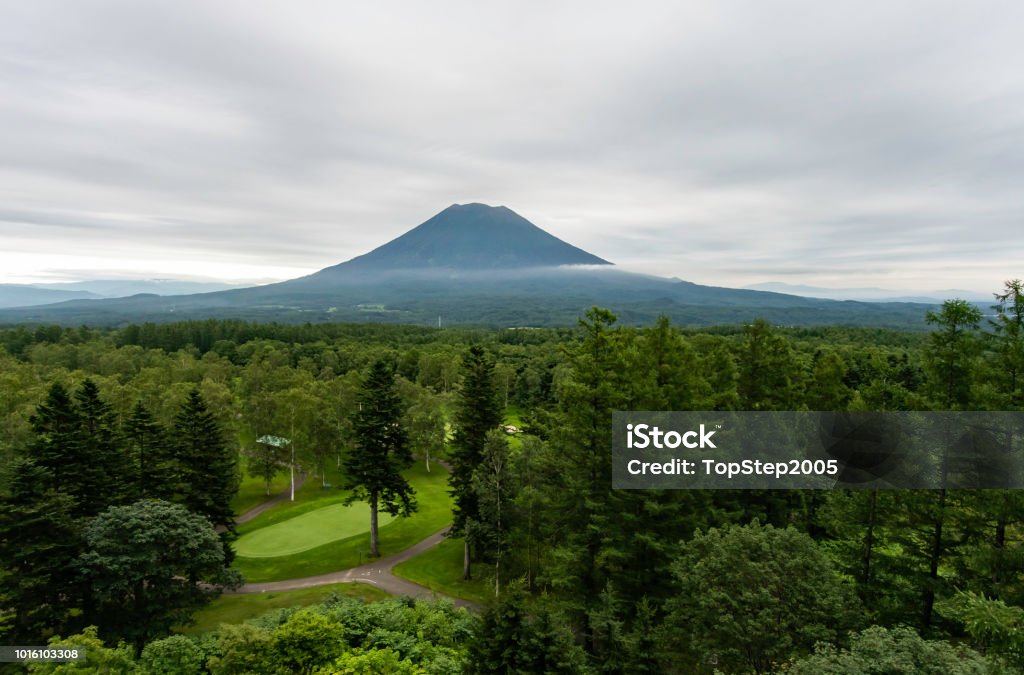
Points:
x=146 y=444
x=208 y=468
x=477 y=413
x=951 y=357
x=951 y=354
x=39 y=541
x=103 y=480
x=56 y=445
x=582 y=491
x=373 y=467
x=1008 y=334
x=769 y=377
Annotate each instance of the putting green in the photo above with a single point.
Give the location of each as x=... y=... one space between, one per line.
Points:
x=309 y=530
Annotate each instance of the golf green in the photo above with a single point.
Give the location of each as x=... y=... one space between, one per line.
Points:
x=308 y=531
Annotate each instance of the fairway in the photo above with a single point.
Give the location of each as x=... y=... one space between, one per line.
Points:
x=308 y=530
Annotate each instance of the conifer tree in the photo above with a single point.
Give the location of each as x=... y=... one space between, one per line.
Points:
x=1008 y=338
x=103 y=478
x=477 y=413
x=146 y=445
x=207 y=467
x=39 y=540
x=769 y=377
x=56 y=445
x=373 y=467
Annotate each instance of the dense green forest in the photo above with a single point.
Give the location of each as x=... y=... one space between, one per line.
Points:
x=123 y=451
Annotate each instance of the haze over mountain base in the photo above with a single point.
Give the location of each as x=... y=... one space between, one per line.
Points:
x=479 y=265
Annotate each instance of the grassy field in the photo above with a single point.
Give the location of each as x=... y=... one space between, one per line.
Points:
x=309 y=530
x=440 y=569
x=253 y=491
x=239 y=608
x=342 y=553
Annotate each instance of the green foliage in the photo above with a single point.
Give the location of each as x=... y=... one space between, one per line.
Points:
x=515 y=640
x=241 y=649
x=995 y=627
x=146 y=444
x=477 y=412
x=372 y=662
x=39 y=540
x=307 y=641
x=172 y=656
x=102 y=479
x=493 y=487
x=373 y=467
x=100 y=659
x=1008 y=344
x=144 y=564
x=769 y=376
x=881 y=651
x=751 y=596
x=603 y=557
x=827 y=389
x=209 y=468
x=952 y=352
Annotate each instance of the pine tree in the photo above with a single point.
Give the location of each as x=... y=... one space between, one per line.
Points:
x=1008 y=339
x=39 y=541
x=950 y=363
x=208 y=468
x=476 y=414
x=56 y=446
x=769 y=377
x=582 y=495
x=952 y=353
x=103 y=479
x=373 y=467
x=146 y=444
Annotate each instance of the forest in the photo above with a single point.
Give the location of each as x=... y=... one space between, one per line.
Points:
x=129 y=453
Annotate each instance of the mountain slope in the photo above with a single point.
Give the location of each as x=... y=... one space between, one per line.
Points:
x=471 y=237
x=24 y=295
x=475 y=264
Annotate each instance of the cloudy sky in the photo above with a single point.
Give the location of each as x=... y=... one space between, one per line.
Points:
x=826 y=143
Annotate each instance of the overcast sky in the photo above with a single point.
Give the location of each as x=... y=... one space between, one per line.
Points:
x=824 y=143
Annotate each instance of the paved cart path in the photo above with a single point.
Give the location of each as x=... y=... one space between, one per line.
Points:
x=272 y=502
x=377 y=573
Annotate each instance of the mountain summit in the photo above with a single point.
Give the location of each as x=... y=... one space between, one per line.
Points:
x=472 y=237
x=481 y=265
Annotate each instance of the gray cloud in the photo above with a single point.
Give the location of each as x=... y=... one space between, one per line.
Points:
x=727 y=143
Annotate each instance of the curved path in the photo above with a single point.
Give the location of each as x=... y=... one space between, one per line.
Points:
x=273 y=501
x=377 y=573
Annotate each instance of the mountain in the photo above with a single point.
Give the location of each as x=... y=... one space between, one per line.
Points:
x=481 y=265
x=24 y=295
x=33 y=295
x=471 y=237
x=121 y=288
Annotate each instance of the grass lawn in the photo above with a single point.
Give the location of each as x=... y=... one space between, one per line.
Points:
x=309 y=530
x=253 y=491
x=434 y=514
x=440 y=569
x=239 y=608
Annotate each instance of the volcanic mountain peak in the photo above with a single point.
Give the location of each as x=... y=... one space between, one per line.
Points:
x=473 y=237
